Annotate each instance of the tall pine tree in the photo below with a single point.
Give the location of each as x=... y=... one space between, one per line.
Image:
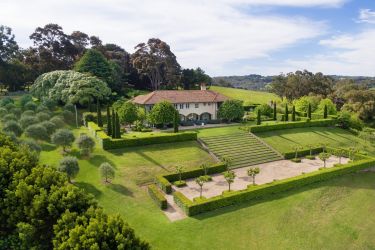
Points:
x=109 y=122
x=99 y=114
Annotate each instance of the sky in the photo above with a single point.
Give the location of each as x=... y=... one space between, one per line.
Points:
x=223 y=37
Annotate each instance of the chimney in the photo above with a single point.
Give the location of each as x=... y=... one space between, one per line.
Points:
x=203 y=86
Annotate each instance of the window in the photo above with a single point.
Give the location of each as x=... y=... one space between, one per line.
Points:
x=197 y=105
x=187 y=105
x=204 y=104
x=175 y=106
x=181 y=106
x=209 y=104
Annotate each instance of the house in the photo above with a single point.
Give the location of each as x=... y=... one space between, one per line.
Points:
x=192 y=105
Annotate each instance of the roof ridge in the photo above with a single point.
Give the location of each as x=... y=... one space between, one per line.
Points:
x=151 y=95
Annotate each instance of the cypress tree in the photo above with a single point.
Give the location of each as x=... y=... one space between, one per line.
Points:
x=113 y=124
x=325 y=111
x=294 y=113
x=175 y=122
x=109 y=121
x=274 y=112
x=286 y=115
x=118 y=132
x=259 y=120
x=309 y=112
x=99 y=114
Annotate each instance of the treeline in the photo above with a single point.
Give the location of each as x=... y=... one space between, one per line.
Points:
x=346 y=94
x=152 y=66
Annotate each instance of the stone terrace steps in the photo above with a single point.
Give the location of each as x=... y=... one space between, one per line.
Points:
x=244 y=149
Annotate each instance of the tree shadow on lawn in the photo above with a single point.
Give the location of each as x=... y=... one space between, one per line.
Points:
x=152 y=160
x=118 y=188
x=350 y=181
x=96 y=160
x=88 y=187
x=48 y=147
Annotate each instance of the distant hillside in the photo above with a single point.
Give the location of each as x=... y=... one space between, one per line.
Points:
x=247 y=96
x=259 y=82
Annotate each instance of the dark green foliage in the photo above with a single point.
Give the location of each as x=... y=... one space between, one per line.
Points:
x=25 y=99
x=33 y=145
x=113 y=134
x=86 y=144
x=231 y=110
x=157 y=196
x=309 y=111
x=176 y=121
x=274 y=111
x=286 y=113
x=69 y=165
x=43 y=116
x=41 y=108
x=3 y=111
x=325 y=114
x=8 y=117
x=109 y=122
x=256 y=192
x=302 y=152
x=59 y=123
x=162 y=113
x=68 y=116
x=28 y=113
x=17 y=112
x=264 y=109
x=288 y=125
x=13 y=127
x=107 y=172
x=50 y=104
x=5 y=101
x=37 y=132
x=294 y=113
x=128 y=113
x=118 y=126
x=259 y=117
x=99 y=114
x=69 y=107
x=63 y=138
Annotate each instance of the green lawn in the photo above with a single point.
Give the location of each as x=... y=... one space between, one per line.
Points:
x=248 y=96
x=328 y=215
x=285 y=140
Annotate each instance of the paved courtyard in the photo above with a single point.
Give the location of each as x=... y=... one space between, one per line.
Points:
x=276 y=170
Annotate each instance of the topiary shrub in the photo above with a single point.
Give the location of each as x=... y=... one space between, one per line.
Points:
x=63 y=138
x=3 y=111
x=50 y=104
x=42 y=108
x=50 y=127
x=25 y=99
x=86 y=144
x=9 y=117
x=107 y=172
x=16 y=111
x=28 y=113
x=180 y=183
x=10 y=106
x=58 y=121
x=13 y=127
x=157 y=196
x=30 y=106
x=5 y=101
x=32 y=144
x=69 y=107
x=43 y=116
x=27 y=121
x=69 y=165
x=37 y=132
x=68 y=116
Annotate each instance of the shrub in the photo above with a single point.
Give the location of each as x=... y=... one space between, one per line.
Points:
x=59 y=123
x=88 y=117
x=264 y=109
x=289 y=125
x=37 y=132
x=32 y=144
x=25 y=99
x=162 y=113
x=27 y=121
x=5 y=101
x=106 y=171
x=50 y=104
x=9 y=117
x=68 y=116
x=10 y=106
x=331 y=107
x=86 y=144
x=50 y=127
x=63 y=138
x=3 y=111
x=296 y=160
x=69 y=165
x=231 y=110
x=28 y=113
x=69 y=107
x=181 y=183
x=42 y=108
x=157 y=196
x=14 y=127
x=163 y=184
x=302 y=152
x=43 y=116
x=30 y=106
x=16 y=111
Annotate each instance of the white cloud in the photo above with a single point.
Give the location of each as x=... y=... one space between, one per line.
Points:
x=349 y=54
x=366 y=16
x=210 y=34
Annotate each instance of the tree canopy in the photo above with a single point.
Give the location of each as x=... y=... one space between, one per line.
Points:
x=231 y=110
x=162 y=113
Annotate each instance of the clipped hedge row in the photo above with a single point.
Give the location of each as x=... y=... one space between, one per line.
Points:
x=255 y=192
x=157 y=196
x=289 y=125
x=107 y=142
x=164 y=181
x=303 y=152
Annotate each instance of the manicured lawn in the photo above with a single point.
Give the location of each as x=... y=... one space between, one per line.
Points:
x=285 y=140
x=248 y=96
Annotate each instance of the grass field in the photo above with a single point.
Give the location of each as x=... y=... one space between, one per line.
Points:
x=328 y=215
x=285 y=140
x=248 y=96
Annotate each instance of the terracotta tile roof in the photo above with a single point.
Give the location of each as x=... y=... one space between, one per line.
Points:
x=180 y=96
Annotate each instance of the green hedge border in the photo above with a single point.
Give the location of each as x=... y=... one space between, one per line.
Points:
x=255 y=192
x=164 y=182
x=157 y=196
x=106 y=142
x=290 y=125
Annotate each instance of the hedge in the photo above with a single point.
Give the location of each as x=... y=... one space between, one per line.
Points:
x=255 y=192
x=107 y=142
x=303 y=152
x=289 y=125
x=164 y=181
x=157 y=196
x=92 y=117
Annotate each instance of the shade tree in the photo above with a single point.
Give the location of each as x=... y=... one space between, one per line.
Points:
x=231 y=110
x=252 y=172
x=69 y=165
x=37 y=132
x=229 y=176
x=107 y=172
x=85 y=144
x=63 y=138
